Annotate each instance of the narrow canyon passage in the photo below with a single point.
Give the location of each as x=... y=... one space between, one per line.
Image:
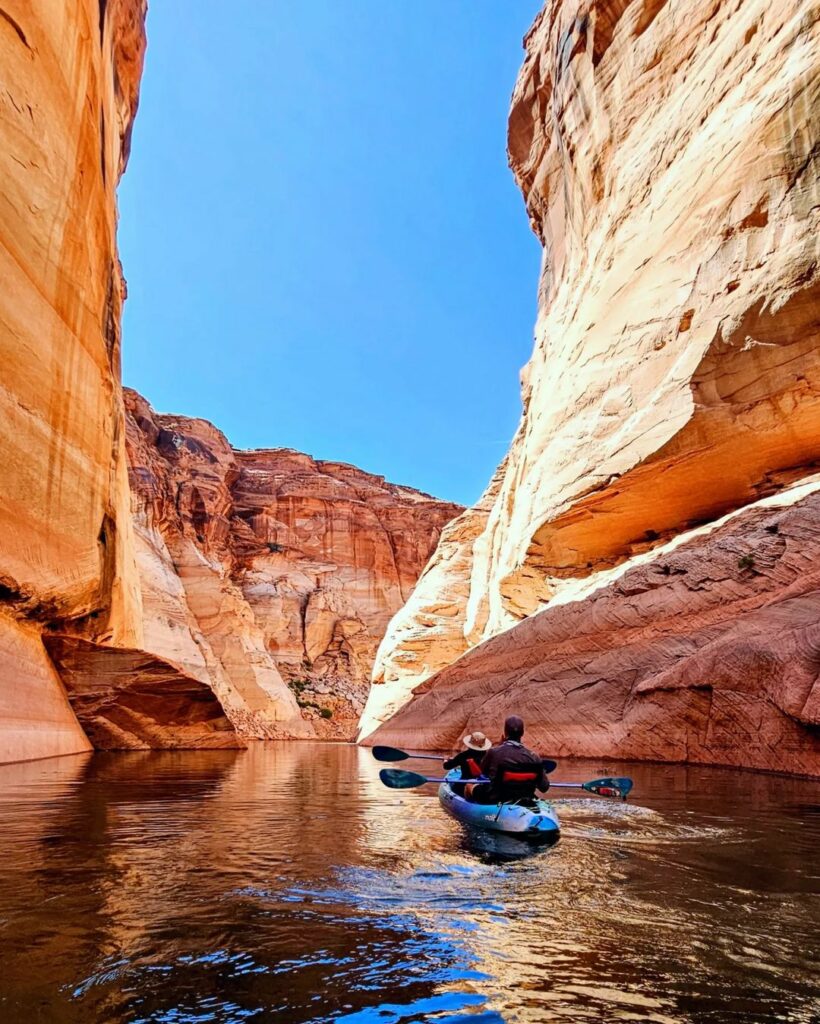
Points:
x=284 y=882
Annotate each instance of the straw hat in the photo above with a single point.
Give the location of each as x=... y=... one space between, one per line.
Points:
x=477 y=741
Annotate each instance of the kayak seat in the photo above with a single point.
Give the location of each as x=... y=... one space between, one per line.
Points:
x=518 y=786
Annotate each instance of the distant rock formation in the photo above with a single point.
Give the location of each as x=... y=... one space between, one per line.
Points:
x=70 y=78
x=267 y=574
x=668 y=156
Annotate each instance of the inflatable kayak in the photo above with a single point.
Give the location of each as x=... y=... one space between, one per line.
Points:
x=535 y=822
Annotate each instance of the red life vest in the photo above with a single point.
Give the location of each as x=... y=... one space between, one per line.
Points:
x=518 y=777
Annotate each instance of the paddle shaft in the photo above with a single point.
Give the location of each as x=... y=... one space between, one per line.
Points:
x=483 y=778
x=400 y=779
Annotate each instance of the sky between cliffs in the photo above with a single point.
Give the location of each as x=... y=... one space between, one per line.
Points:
x=324 y=246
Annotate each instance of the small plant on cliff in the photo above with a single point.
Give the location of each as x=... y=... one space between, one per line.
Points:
x=325 y=712
x=274 y=547
x=746 y=562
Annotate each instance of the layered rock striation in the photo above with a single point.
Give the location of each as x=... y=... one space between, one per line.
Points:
x=69 y=78
x=269 y=575
x=668 y=158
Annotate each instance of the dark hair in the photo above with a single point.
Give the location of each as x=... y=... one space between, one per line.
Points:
x=514 y=727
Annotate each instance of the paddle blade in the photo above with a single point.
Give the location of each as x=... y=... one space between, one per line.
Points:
x=389 y=754
x=395 y=778
x=617 y=787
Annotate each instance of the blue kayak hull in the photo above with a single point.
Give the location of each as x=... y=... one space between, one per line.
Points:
x=538 y=823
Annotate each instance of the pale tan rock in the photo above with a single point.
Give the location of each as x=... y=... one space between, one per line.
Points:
x=677 y=364
x=269 y=574
x=668 y=157
x=68 y=94
x=431 y=630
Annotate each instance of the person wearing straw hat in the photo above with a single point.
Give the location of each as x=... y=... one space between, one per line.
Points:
x=469 y=760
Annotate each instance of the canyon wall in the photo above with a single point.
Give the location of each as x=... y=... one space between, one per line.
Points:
x=69 y=78
x=668 y=158
x=229 y=595
x=268 y=575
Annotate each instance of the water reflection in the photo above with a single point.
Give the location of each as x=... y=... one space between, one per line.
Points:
x=497 y=848
x=286 y=881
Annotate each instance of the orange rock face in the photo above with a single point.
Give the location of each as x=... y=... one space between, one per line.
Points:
x=270 y=575
x=668 y=157
x=68 y=94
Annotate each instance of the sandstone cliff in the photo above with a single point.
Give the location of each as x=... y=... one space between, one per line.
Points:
x=269 y=575
x=668 y=157
x=249 y=592
x=69 y=77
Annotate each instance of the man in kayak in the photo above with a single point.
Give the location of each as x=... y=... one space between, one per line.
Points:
x=469 y=760
x=514 y=771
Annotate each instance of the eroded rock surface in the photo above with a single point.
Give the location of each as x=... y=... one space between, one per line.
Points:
x=130 y=700
x=706 y=650
x=668 y=157
x=69 y=77
x=269 y=574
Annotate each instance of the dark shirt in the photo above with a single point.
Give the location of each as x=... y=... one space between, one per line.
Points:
x=512 y=756
x=462 y=761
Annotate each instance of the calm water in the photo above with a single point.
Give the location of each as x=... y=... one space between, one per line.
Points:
x=285 y=883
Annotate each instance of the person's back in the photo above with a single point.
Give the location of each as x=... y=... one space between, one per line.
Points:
x=514 y=771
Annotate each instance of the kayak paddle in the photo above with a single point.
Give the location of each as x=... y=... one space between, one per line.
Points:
x=395 y=778
x=602 y=787
x=394 y=754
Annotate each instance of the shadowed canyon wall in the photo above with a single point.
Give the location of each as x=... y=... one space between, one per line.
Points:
x=668 y=157
x=269 y=575
x=69 y=78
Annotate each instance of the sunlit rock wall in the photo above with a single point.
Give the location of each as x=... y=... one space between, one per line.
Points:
x=69 y=77
x=268 y=574
x=668 y=158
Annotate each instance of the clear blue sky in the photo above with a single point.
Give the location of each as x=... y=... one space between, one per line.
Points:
x=323 y=243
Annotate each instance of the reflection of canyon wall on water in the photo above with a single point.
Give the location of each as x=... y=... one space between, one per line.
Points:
x=270 y=575
x=69 y=76
x=668 y=157
x=156 y=856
